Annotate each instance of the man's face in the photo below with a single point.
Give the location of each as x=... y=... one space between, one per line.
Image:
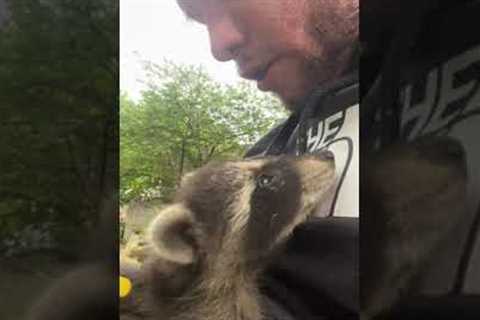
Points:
x=286 y=46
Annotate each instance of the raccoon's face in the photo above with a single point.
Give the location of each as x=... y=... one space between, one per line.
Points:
x=248 y=207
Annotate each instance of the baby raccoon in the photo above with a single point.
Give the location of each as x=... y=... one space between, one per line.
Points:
x=228 y=220
x=412 y=197
x=90 y=289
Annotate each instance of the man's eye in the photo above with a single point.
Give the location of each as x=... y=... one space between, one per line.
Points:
x=264 y=180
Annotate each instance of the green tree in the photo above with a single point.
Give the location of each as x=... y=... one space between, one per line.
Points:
x=184 y=120
x=58 y=76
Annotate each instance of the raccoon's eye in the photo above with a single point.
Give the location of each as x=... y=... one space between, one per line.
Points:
x=264 y=180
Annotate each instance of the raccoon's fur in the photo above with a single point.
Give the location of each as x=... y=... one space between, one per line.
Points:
x=412 y=197
x=89 y=290
x=227 y=221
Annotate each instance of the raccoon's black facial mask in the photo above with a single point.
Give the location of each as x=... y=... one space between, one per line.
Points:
x=241 y=208
x=274 y=203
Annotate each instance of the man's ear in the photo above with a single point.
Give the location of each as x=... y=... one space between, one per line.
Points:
x=170 y=234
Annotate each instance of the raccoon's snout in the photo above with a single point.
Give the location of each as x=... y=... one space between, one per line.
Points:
x=326 y=155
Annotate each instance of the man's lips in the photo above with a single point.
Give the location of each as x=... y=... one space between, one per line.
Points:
x=257 y=74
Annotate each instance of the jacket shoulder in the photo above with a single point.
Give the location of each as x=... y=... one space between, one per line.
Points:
x=261 y=146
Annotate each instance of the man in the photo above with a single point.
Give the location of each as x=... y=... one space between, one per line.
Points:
x=292 y=48
x=305 y=51
x=310 y=41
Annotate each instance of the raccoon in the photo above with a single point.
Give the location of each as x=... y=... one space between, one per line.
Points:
x=412 y=197
x=228 y=220
x=90 y=289
x=205 y=251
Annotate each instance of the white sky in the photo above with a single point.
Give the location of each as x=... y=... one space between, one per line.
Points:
x=156 y=29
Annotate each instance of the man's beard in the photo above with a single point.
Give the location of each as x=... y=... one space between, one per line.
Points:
x=325 y=69
x=337 y=63
x=334 y=26
x=334 y=57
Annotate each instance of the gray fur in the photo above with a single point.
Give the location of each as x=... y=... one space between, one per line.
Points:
x=240 y=214
x=412 y=197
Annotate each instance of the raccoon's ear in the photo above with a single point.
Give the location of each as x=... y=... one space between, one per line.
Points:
x=171 y=234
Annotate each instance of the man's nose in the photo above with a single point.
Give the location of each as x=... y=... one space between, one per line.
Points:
x=225 y=39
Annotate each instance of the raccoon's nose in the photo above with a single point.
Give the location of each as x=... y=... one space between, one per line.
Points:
x=326 y=155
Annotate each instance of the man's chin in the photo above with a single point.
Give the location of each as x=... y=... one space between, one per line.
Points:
x=292 y=105
x=294 y=102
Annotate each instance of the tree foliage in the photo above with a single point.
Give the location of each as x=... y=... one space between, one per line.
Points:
x=184 y=120
x=58 y=93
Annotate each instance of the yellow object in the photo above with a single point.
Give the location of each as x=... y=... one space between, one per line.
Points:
x=125 y=287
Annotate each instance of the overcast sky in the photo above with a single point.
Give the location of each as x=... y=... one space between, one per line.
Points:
x=156 y=29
